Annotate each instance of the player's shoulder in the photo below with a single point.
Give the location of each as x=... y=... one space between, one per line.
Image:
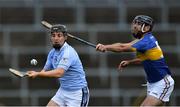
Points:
x=51 y=51
x=151 y=38
x=69 y=48
x=147 y=37
x=70 y=52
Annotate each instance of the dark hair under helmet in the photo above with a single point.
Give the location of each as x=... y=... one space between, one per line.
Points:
x=144 y=20
x=59 y=28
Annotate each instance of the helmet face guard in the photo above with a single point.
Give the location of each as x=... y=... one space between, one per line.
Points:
x=59 y=28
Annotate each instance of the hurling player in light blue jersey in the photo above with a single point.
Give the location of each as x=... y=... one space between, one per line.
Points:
x=160 y=84
x=64 y=64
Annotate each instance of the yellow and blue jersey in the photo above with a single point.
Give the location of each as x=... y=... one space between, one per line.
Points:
x=150 y=53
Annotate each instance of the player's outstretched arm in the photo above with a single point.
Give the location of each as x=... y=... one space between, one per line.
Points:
x=116 y=47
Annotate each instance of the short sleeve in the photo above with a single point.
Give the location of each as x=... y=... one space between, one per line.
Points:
x=66 y=60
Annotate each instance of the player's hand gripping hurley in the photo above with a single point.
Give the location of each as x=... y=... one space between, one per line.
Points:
x=48 y=25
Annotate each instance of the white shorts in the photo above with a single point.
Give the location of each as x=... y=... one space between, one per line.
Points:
x=79 y=98
x=161 y=89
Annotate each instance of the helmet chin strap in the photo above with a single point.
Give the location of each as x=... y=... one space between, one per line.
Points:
x=142 y=28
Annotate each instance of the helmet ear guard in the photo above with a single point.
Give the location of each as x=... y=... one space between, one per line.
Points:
x=142 y=28
x=59 y=28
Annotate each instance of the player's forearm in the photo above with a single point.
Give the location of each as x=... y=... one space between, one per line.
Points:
x=52 y=73
x=135 y=61
x=114 y=47
x=118 y=47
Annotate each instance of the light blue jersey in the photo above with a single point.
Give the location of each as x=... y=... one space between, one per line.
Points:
x=68 y=59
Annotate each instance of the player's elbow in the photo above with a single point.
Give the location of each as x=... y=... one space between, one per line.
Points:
x=121 y=49
x=126 y=48
x=58 y=75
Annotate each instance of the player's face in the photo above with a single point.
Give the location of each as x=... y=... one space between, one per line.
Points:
x=57 y=39
x=136 y=27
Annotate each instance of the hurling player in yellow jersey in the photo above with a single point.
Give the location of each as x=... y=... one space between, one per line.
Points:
x=160 y=84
